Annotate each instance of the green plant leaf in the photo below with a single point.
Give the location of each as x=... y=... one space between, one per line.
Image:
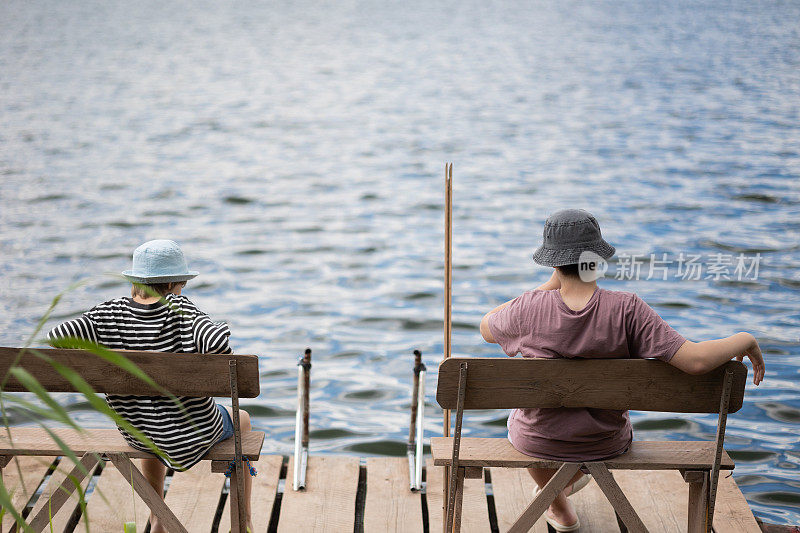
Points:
x=112 y=357
x=104 y=353
x=64 y=448
x=32 y=384
x=42 y=412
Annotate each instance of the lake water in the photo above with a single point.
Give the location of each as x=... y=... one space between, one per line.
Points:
x=296 y=151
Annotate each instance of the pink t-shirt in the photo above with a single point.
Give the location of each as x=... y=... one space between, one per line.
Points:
x=612 y=325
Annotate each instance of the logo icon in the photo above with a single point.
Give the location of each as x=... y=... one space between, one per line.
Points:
x=591 y=266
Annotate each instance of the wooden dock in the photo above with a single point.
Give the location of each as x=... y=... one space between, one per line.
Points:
x=348 y=494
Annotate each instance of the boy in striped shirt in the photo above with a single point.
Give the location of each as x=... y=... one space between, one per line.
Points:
x=168 y=322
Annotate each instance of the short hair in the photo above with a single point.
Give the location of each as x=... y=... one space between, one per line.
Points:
x=162 y=289
x=574 y=269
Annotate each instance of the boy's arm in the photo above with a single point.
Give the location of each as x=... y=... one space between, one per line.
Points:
x=702 y=357
x=486 y=333
x=552 y=283
x=211 y=337
x=78 y=328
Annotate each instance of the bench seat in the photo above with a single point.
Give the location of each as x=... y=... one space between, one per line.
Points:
x=37 y=441
x=643 y=455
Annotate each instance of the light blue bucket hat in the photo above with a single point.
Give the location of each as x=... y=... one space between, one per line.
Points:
x=159 y=261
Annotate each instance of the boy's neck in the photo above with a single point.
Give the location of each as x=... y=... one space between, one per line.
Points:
x=176 y=289
x=576 y=286
x=146 y=301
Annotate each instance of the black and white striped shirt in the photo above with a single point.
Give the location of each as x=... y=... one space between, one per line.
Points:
x=123 y=324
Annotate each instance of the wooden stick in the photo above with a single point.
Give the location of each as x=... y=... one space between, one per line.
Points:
x=721 y=421
x=455 y=470
x=448 y=283
x=306 y=393
x=237 y=505
x=448 y=273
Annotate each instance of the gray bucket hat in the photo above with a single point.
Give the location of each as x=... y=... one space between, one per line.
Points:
x=159 y=261
x=568 y=233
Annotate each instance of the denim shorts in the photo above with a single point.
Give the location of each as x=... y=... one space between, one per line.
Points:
x=227 y=424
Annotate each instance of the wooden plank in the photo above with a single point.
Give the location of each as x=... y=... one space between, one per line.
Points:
x=21 y=477
x=513 y=492
x=640 y=384
x=594 y=510
x=36 y=441
x=113 y=503
x=62 y=517
x=660 y=497
x=649 y=455
x=328 y=503
x=475 y=513
x=182 y=374
x=194 y=496
x=265 y=488
x=390 y=504
x=82 y=470
x=733 y=514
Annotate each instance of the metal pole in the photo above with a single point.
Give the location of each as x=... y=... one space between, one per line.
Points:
x=420 y=429
x=415 y=428
x=301 y=421
x=412 y=425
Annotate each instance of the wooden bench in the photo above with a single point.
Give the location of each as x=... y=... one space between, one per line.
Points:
x=637 y=384
x=195 y=375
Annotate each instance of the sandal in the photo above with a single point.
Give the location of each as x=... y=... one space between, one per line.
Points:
x=555 y=524
x=578 y=485
x=561 y=528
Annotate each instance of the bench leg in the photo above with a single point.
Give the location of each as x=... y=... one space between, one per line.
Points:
x=542 y=501
x=153 y=500
x=84 y=468
x=616 y=497
x=235 y=500
x=445 y=496
x=698 y=500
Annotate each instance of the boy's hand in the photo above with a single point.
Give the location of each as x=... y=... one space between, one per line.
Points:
x=753 y=352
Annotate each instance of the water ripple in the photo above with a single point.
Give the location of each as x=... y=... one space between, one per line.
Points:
x=305 y=183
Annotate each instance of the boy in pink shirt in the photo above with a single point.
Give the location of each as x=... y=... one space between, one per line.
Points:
x=570 y=316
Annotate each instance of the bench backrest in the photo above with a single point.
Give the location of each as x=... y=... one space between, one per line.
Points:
x=181 y=374
x=637 y=384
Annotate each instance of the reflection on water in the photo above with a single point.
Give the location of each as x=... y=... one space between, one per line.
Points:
x=296 y=152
